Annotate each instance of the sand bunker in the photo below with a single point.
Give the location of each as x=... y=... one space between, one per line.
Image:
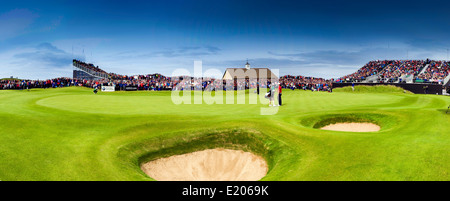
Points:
x=353 y=127
x=208 y=165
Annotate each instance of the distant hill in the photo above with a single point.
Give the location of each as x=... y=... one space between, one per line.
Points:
x=12 y=79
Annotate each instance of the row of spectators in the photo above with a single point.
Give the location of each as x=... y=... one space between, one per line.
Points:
x=50 y=83
x=436 y=72
x=395 y=70
x=305 y=83
x=160 y=82
x=370 y=69
x=142 y=82
x=401 y=68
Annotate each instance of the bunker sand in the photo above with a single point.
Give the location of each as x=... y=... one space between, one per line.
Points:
x=353 y=127
x=208 y=165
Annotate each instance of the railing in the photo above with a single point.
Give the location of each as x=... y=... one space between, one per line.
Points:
x=424 y=69
x=447 y=81
x=374 y=78
x=401 y=78
x=409 y=79
x=370 y=79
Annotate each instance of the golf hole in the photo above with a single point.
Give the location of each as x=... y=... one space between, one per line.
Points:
x=208 y=165
x=353 y=127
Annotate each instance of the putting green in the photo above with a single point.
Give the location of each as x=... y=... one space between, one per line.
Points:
x=72 y=134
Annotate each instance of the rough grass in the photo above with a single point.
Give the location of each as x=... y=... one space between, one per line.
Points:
x=373 y=89
x=72 y=134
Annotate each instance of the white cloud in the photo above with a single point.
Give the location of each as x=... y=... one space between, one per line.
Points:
x=37 y=62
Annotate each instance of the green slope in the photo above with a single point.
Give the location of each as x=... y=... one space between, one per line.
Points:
x=72 y=134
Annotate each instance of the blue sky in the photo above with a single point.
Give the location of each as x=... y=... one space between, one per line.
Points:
x=38 y=39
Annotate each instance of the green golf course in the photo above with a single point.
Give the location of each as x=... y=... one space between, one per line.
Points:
x=74 y=134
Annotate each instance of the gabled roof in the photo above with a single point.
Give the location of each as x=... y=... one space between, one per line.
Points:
x=241 y=72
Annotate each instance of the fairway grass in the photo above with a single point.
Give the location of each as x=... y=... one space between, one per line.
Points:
x=72 y=134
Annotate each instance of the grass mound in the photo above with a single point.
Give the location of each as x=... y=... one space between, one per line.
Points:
x=373 y=89
x=10 y=79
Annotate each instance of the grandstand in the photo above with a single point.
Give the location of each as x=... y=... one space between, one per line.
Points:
x=437 y=71
x=412 y=75
x=85 y=71
x=366 y=73
x=398 y=71
x=401 y=71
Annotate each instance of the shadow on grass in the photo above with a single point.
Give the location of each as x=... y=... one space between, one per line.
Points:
x=444 y=111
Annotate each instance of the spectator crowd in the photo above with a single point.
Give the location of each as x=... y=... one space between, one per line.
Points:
x=386 y=71
x=50 y=83
x=390 y=71
x=305 y=83
x=159 y=82
x=398 y=69
x=436 y=72
x=370 y=69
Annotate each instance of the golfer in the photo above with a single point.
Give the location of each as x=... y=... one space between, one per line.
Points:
x=95 y=90
x=279 y=94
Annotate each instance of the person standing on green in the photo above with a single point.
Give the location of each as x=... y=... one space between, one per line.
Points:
x=279 y=94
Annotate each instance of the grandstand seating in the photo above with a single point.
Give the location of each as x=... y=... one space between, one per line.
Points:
x=436 y=72
x=370 y=70
x=85 y=71
x=401 y=71
x=398 y=69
